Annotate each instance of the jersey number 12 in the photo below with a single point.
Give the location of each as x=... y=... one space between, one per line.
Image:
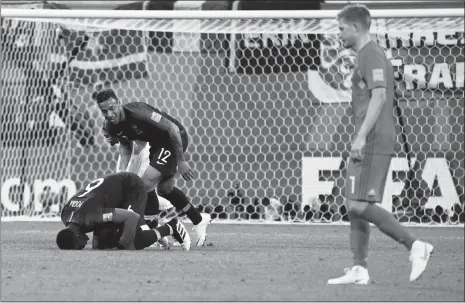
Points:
x=163 y=156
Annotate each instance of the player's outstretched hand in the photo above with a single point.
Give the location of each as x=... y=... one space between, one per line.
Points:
x=357 y=147
x=185 y=170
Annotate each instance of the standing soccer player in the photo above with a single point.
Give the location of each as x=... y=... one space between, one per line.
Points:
x=114 y=202
x=372 y=149
x=168 y=141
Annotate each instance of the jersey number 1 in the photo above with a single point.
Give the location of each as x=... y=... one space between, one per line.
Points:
x=91 y=186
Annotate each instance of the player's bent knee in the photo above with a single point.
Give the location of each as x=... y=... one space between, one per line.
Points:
x=151 y=177
x=356 y=208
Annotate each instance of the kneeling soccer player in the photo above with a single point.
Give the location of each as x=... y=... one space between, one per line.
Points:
x=115 y=199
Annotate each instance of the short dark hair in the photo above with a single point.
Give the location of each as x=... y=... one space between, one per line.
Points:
x=104 y=95
x=356 y=13
x=66 y=239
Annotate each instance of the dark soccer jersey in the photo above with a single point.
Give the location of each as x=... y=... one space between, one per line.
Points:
x=142 y=123
x=94 y=204
x=373 y=69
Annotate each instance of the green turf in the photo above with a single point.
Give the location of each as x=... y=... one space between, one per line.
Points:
x=246 y=263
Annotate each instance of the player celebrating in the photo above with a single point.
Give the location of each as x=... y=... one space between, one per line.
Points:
x=168 y=141
x=117 y=199
x=372 y=149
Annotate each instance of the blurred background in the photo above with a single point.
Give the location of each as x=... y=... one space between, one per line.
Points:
x=50 y=73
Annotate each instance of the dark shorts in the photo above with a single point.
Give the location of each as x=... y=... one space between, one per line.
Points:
x=163 y=156
x=365 y=180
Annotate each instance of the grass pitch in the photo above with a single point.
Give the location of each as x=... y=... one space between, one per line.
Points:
x=245 y=263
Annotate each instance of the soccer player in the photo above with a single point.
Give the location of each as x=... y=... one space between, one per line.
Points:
x=168 y=140
x=138 y=163
x=372 y=149
x=117 y=199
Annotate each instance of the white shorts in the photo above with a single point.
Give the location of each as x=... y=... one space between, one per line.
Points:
x=138 y=164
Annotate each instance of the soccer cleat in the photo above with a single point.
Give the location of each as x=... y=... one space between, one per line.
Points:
x=180 y=234
x=419 y=256
x=355 y=275
x=201 y=229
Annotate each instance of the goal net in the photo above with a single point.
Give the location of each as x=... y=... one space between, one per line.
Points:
x=266 y=103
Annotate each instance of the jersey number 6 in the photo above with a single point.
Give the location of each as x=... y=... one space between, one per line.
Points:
x=91 y=186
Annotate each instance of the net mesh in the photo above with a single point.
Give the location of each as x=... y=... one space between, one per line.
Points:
x=266 y=104
x=255 y=26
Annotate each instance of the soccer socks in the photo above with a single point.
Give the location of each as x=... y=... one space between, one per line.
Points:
x=182 y=204
x=388 y=225
x=359 y=239
x=145 y=237
x=163 y=231
x=152 y=207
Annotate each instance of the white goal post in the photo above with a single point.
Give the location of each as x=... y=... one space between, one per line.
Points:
x=224 y=15
x=264 y=95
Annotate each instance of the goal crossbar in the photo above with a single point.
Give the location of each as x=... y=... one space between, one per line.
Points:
x=215 y=14
x=251 y=22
